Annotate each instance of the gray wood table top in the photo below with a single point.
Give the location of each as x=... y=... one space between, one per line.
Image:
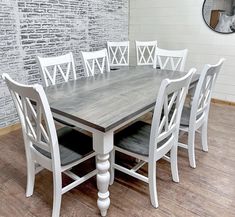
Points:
x=107 y=100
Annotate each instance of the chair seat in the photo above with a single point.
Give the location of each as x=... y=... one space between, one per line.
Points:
x=135 y=138
x=185 y=116
x=73 y=146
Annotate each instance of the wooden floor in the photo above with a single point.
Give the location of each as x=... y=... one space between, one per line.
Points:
x=208 y=190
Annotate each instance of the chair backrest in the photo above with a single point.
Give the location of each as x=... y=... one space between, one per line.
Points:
x=145 y=52
x=118 y=53
x=95 y=61
x=36 y=118
x=57 y=69
x=167 y=113
x=202 y=96
x=170 y=59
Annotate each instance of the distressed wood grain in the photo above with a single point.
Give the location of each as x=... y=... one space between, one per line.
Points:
x=107 y=100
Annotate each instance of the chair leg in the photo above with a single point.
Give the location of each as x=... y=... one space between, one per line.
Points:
x=57 y=194
x=30 y=177
x=111 y=170
x=152 y=183
x=174 y=163
x=191 y=148
x=204 y=136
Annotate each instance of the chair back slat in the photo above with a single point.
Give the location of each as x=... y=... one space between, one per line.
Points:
x=95 y=62
x=145 y=52
x=118 y=53
x=35 y=115
x=167 y=112
x=203 y=92
x=57 y=69
x=170 y=59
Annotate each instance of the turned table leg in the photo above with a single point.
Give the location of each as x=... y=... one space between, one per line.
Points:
x=103 y=144
x=103 y=178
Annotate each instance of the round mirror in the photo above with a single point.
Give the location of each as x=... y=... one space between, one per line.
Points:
x=219 y=15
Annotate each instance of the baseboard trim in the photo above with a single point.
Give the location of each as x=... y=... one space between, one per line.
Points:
x=9 y=129
x=222 y=102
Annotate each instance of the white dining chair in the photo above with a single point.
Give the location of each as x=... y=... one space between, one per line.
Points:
x=196 y=117
x=57 y=151
x=57 y=69
x=149 y=143
x=145 y=52
x=170 y=59
x=118 y=53
x=95 y=62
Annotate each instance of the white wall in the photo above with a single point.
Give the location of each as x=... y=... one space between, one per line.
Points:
x=179 y=24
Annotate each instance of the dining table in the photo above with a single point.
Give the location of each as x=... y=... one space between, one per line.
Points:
x=104 y=103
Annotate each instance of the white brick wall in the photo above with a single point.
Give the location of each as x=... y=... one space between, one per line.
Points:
x=49 y=28
x=179 y=24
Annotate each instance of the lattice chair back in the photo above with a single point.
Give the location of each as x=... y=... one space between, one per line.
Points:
x=118 y=53
x=57 y=69
x=36 y=120
x=41 y=141
x=95 y=62
x=203 y=92
x=167 y=113
x=145 y=52
x=170 y=59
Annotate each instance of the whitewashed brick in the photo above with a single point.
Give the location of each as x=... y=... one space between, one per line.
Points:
x=50 y=28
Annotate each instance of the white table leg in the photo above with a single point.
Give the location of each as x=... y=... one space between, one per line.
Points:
x=103 y=178
x=103 y=144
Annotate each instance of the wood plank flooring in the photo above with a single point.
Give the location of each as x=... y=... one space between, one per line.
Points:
x=208 y=190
